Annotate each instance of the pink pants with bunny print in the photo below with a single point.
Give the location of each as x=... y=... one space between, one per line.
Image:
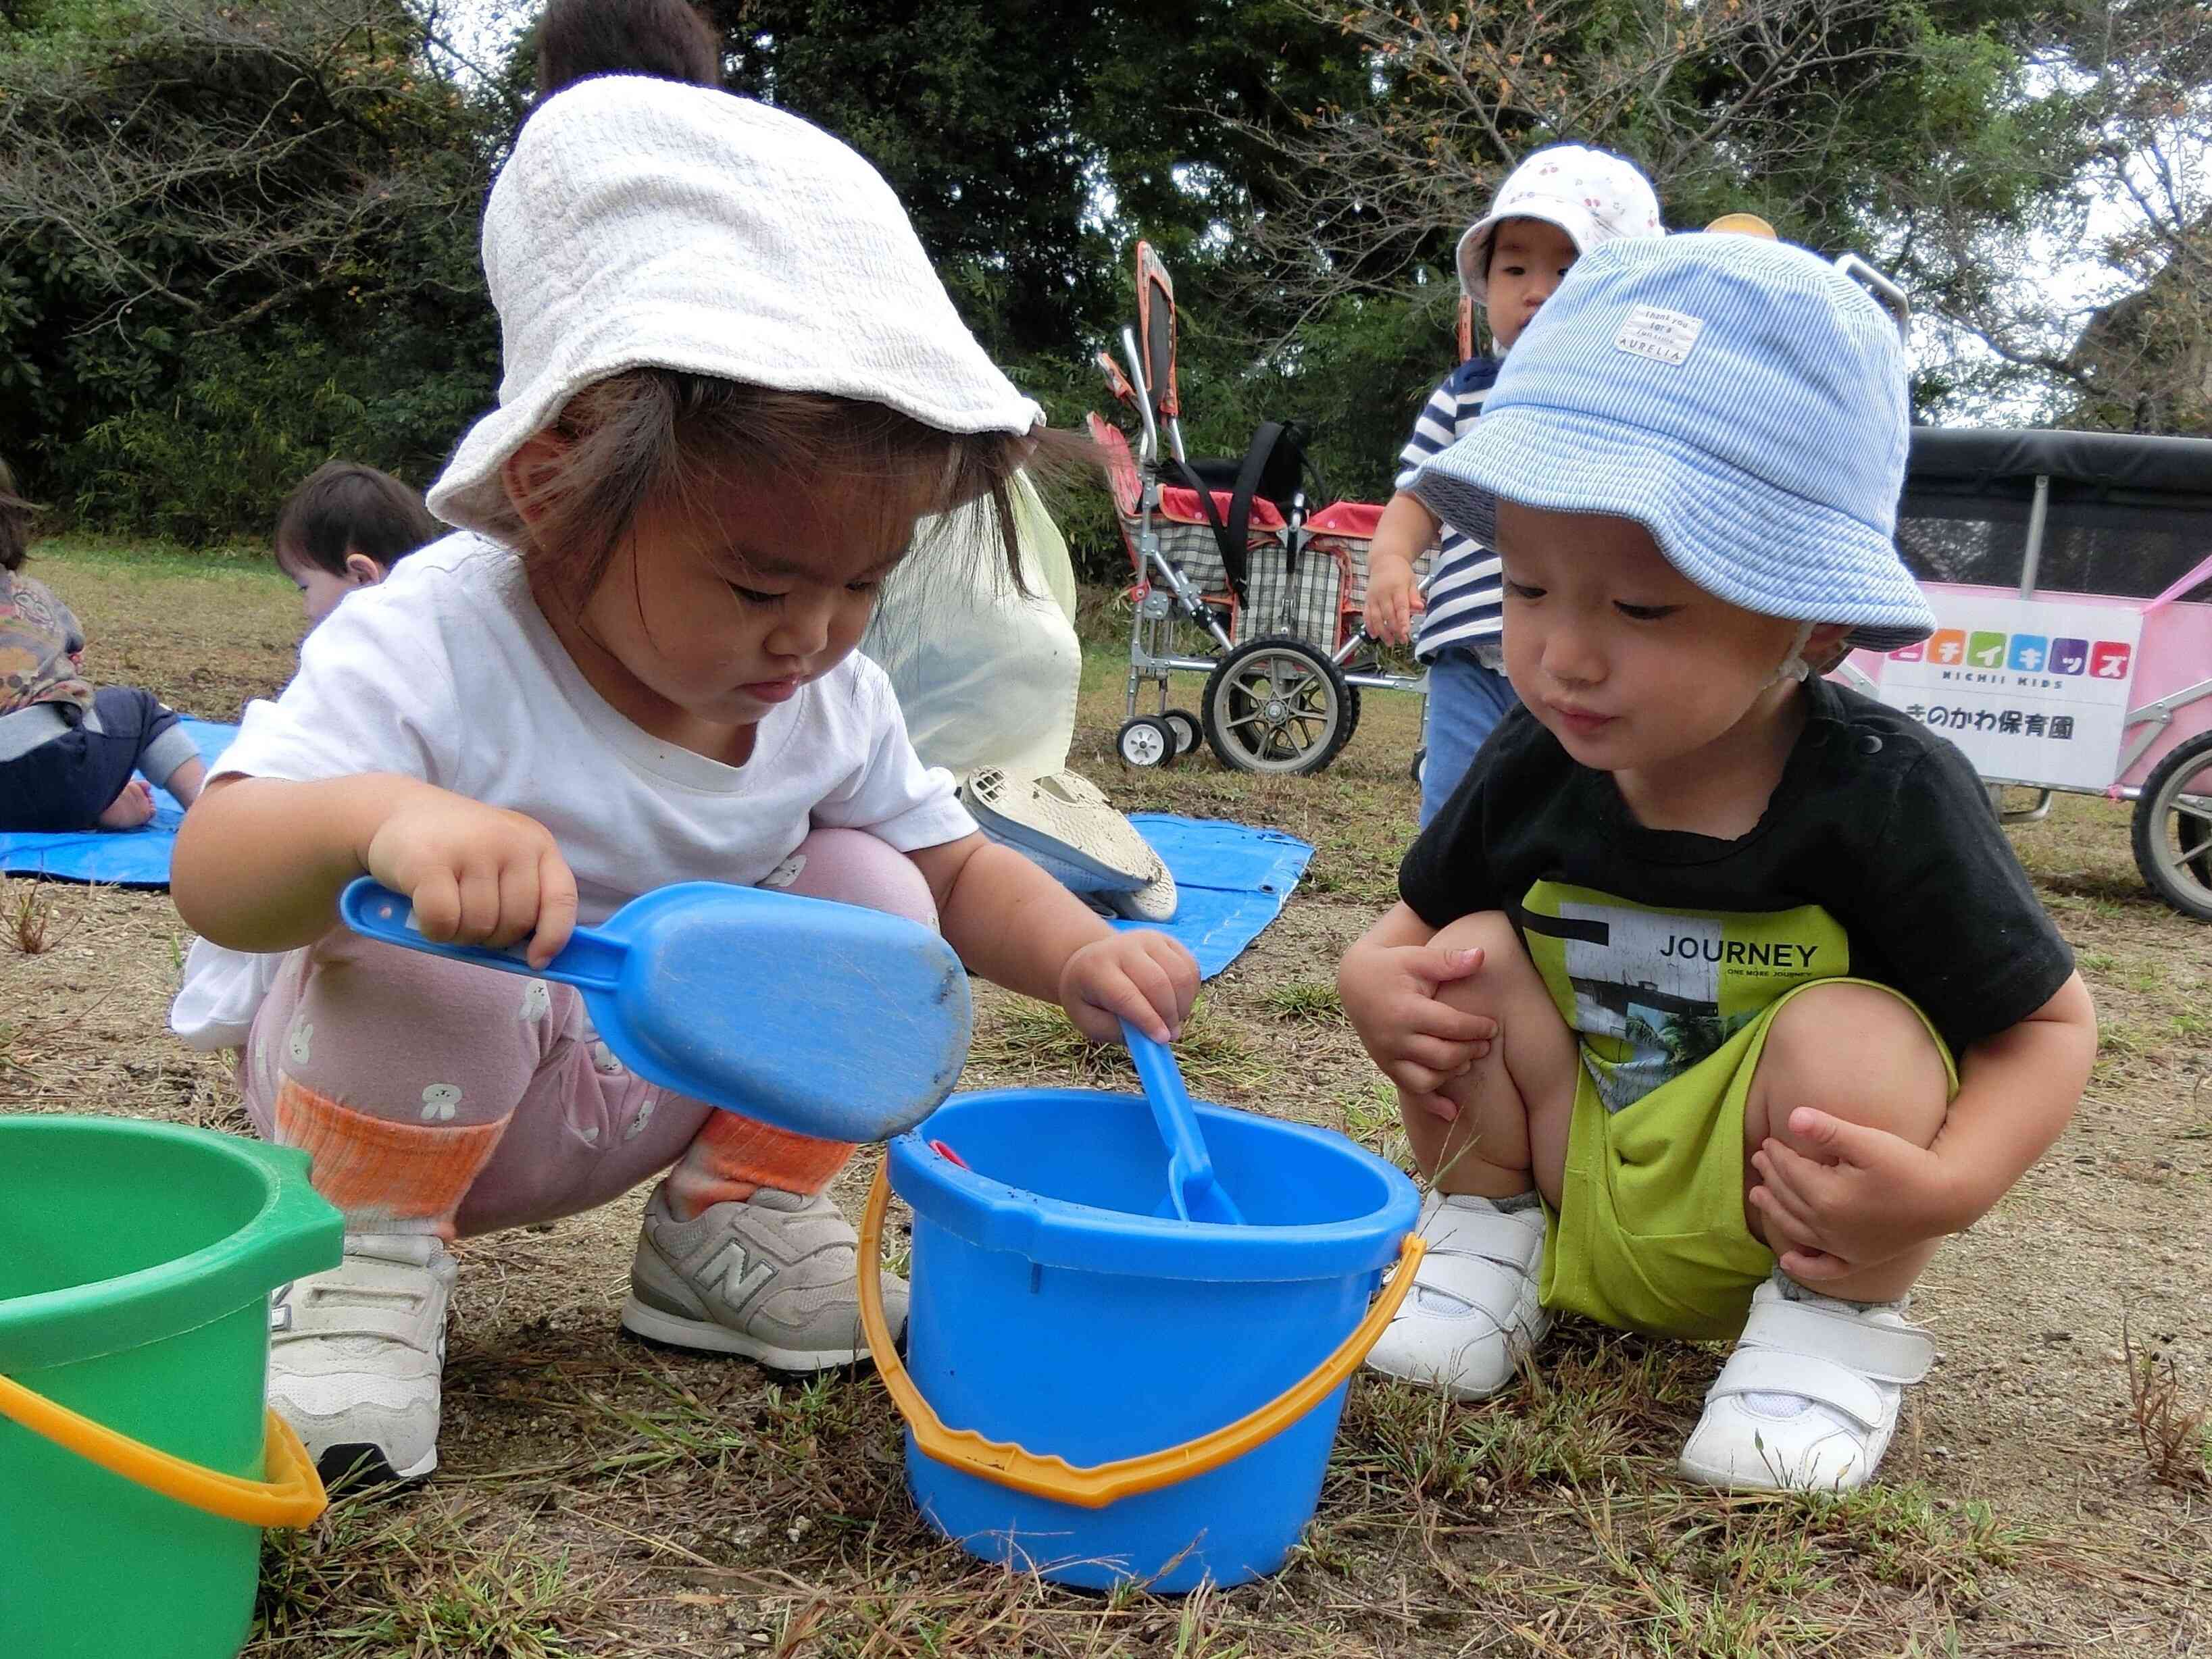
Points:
x=436 y=1096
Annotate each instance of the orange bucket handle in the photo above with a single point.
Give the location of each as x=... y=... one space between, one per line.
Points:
x=292 y=1496
x=1093 y=1488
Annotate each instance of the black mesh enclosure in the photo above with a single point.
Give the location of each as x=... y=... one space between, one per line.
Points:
x=2127 y=516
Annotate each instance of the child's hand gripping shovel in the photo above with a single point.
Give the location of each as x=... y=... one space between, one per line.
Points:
x=829 y=1019
x=1196 y=1196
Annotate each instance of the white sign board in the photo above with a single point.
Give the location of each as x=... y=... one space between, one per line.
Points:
x=2034 y=690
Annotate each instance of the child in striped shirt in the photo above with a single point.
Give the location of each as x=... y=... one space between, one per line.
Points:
x=1557 y=206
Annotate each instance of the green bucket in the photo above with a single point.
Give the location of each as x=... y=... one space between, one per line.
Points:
x=138 y=1463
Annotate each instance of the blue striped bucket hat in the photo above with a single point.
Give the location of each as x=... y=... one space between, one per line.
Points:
x=1742 y=399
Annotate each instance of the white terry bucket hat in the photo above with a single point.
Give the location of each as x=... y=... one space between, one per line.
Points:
x=643 y=223
x=1593 y=195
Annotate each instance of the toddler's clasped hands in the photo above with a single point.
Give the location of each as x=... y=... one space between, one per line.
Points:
x=1421 y=1042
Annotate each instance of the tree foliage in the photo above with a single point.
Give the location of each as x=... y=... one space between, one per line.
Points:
x=2124 y=338
x=1029 y=138
x=1847 y=123
x=1969 y=146
x=232 y=243
x=236 y=240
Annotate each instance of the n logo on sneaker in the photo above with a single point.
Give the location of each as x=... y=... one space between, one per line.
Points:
x=741 y=1278
x=279 y=1308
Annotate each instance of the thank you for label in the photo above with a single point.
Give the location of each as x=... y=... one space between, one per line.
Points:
x=1664 y=335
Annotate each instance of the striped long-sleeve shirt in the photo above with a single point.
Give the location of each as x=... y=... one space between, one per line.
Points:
x=1464 y=597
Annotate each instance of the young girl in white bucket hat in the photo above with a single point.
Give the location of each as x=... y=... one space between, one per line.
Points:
x=1716 y=997
x=732 y=385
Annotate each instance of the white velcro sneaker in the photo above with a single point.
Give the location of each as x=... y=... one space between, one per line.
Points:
x=1473 y=1310
x=356 y=1355
x=1808 y=1402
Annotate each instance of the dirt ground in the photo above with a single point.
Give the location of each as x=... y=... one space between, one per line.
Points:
x=598 y=1496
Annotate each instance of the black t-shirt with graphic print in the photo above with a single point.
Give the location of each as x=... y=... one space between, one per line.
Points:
x=1879 y=855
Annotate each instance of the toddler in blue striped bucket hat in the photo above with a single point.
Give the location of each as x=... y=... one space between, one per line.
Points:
x=1714 y=998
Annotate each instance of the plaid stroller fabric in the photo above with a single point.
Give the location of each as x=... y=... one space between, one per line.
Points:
x=1192 y=549
x=1319 y=601
x=1306 y=601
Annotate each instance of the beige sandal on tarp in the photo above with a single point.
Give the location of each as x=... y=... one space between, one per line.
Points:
x=1063 y=824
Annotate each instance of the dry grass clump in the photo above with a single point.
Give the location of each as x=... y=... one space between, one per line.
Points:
x=33 y=918
x=2177 y=1437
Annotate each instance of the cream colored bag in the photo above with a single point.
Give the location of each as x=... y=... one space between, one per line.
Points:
x=985 y=677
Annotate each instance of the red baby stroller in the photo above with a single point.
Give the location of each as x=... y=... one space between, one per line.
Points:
x=1231 y=552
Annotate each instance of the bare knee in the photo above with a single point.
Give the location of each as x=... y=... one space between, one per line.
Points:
x=1857 y=1052
x=854 y=868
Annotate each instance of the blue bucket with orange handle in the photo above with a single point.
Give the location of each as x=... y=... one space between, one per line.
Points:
x=1099 y=1393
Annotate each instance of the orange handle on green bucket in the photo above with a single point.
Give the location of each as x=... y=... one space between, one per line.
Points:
x=292 y=1496
x=1095 y=1487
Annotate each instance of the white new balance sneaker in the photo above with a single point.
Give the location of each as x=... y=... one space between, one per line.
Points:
x=355 y=1354
x=1473 y=1311
x=769 y=1277
x=1808 y=1402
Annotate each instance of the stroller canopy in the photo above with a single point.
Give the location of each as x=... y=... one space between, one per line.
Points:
x=2126 y=516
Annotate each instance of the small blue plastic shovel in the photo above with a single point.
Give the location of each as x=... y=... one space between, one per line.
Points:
x=829 y=1019
x=1196 y=1196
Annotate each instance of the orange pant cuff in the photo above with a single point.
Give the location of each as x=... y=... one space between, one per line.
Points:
x=729 y=1148
x=401 y=1176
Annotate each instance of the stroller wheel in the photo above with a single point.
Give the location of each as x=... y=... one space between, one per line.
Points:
x=2172 y=830
x=1184 y=725
x=1278 y=704
x=1420 y=760
x=1145 y=742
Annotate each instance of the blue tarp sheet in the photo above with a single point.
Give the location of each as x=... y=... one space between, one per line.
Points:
x=126 y=858
x=1231 y=880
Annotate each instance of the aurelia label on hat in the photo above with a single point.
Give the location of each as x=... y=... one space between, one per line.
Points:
x=1664 y=335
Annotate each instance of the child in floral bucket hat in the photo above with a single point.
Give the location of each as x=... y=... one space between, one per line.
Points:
x=1716 y=999
x=1560 y=204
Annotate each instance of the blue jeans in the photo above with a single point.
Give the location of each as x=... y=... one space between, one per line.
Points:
x=1465 y=703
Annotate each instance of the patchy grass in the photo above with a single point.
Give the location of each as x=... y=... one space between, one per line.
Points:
x=1369 y=1115
x=31 y=922
x=1033 y=1041
x=1305 y=1001
x=601 y=1497
x=2177 y=1437
x=394 y=1573
x=203 y=632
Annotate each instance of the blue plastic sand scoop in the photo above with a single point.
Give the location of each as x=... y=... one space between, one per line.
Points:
x=825 y=1018
x=1196 y=1196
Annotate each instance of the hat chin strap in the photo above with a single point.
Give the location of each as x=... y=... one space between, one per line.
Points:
x=1794 y=666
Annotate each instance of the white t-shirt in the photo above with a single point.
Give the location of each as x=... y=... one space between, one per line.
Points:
x=447 y=671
